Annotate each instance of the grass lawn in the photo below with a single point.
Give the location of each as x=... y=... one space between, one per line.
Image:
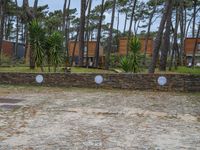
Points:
x=60 y=70
x=181 y=70
x=187 y=70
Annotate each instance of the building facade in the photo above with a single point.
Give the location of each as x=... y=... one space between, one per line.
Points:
x=123 y=43
x=74 y=48
x=189 y=45
x=8 y=49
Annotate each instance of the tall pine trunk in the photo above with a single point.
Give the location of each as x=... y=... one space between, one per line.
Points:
x=30 y=16
x=125 y=22
x=175 y=39
x=194 y=17
x=130 y=26
x=148 y=33
x=158 y=39
x=195 y=46
x=74 y=48
x=88 y=31
x=3 y=9
x=183 y=20
x=96 y=62
x=81 y=35
x=166 y=42
x=17 y=30
x=67 y=32
x=110 y=40
x=64 y=17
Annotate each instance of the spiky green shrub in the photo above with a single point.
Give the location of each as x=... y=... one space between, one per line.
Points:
x=125 y=64
x=54 y=50
x=37 y=42
x=131 y=63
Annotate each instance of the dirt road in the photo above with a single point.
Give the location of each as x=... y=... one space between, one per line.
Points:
x=90 y=119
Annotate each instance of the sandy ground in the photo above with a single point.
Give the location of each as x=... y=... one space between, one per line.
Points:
x=94 y=119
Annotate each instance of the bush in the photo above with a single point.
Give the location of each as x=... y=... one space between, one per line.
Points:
x=37 y=42
x=5 y=60
x=132 y=62
x=114 y=61
x=55 y=55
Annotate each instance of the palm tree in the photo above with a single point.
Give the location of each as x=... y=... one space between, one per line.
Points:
x=37 y=42
x=54 y=49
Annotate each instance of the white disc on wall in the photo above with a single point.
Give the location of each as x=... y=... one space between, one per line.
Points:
x=98 y=79
x=162 y=80
x=39 y=78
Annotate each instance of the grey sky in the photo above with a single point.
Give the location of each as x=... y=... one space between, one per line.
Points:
x=58 y=4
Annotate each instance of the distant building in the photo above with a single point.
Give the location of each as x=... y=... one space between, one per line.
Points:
x=8 y=49
x=124 y=41
x=189 y=45
x=91 y=52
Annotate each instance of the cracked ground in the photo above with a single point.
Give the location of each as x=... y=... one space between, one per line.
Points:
x=41 y=118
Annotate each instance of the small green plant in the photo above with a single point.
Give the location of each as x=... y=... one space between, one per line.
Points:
x=125 y=64
x=54 y=50
x=5 y=60
x=46 y=48
x=37 y=42
x=131 y=63
x=114 y=61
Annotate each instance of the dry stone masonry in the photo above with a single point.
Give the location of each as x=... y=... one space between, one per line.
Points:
x=175 y=82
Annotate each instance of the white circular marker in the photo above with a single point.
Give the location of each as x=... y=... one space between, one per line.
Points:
x=162 y=80
x=39 y=78
x=98 y=79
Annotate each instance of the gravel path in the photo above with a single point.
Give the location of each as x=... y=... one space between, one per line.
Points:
x=93 y=119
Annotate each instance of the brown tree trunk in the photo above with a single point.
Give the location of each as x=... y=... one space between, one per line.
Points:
x=3 y=8
x=81 y=35
x=27 y=49
x=67 y=31
x=64 y=17
x=64 y=25
x=158 y=39
x=30 y=17
x=194 y=17
x=195 y=46
x=17 y=30
x=131 y=23
x=96 y=62
x=190 y=21
x=28 y=11
x=166 y=42
x=148 y=34
x=107 y=64
x=74 y=48
x=175 y=44
x=35 y=5
x=87 y=33
x=183 y=20
x=126 y=18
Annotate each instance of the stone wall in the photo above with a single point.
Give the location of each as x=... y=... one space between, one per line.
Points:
x=175 y=82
